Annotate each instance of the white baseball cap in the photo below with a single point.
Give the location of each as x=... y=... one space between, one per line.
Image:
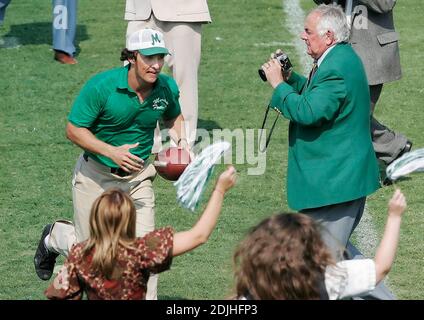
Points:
x=147 y=41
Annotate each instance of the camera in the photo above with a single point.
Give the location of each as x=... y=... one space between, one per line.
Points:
x=284 y=62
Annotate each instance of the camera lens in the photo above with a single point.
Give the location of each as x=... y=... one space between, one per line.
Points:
x=262 y=74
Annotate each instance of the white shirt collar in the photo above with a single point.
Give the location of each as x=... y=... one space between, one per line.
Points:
x=324 y=54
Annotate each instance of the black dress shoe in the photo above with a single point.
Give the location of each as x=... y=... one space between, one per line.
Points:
x=387 y=182
x=44 y=260
x=406 y=149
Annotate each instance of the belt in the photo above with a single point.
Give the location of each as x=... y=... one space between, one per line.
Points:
x=117 y=171
x=120 y=172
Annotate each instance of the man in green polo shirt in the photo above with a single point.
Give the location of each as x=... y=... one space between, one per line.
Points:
x=113 y=120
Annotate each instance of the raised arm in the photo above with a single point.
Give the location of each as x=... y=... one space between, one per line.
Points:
x=386 y=251
x=199 y=234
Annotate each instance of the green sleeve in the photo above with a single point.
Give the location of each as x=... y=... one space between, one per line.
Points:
x=297 y=81
x=87 y=106
x=173 y=110
x=319 y=103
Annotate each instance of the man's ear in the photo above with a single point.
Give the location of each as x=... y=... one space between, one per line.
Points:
x=132 y=60
x=330 y=38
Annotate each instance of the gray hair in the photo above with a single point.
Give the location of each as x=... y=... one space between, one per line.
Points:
x=332 y=19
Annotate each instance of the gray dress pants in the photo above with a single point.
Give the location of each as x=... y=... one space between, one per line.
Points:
x=338 y=221
x=387 y=143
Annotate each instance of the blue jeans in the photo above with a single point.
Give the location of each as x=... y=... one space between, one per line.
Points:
x=64 y=25
x=3 y=6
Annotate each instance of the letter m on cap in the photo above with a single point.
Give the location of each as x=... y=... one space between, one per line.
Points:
x=155 y=37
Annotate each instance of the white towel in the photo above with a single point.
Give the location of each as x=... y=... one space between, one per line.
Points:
x=192 y=182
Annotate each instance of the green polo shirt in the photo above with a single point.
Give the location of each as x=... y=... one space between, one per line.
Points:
x=111 y=110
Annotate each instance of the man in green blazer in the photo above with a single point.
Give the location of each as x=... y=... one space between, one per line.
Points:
x=375 y=40
x=332 y=166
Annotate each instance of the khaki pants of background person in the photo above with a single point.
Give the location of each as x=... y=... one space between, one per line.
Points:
x=183 y=40
x=90 y=180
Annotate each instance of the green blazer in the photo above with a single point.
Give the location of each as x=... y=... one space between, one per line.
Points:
x=331 y=157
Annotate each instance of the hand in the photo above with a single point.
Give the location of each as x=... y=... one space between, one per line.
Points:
x=183 y=143
x=226 y=180
x=273 y=73
x=125 y=159
x=286 y=75
x=397 y=204
x=276 y=53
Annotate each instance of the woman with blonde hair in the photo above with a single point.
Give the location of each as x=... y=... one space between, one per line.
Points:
x=115 y=264
x=284 y=257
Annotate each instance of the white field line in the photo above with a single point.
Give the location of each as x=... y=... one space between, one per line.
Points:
x=9 y=43
x=273 y=44
x=295 y=16
x=366 y=235
x=365 y=232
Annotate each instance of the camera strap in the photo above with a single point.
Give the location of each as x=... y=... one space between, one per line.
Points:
x=271 y=130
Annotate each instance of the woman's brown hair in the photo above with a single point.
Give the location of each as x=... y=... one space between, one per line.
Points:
x=112 y=224
x=283 y=257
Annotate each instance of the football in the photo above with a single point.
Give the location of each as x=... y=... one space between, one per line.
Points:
x=171 y=162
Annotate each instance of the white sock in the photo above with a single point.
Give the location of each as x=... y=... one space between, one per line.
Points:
x=46 y=243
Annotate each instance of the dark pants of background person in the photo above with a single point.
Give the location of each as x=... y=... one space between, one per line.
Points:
x=387 y=143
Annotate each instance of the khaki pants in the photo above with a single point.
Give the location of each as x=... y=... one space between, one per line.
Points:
x=183 y=40
x=89 y=181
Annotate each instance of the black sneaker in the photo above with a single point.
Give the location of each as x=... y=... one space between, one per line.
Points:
x=44 y=259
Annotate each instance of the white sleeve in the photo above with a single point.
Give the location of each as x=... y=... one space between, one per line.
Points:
x=350 y=278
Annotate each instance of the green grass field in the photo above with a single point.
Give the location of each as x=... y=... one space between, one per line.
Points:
x=37 y=160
